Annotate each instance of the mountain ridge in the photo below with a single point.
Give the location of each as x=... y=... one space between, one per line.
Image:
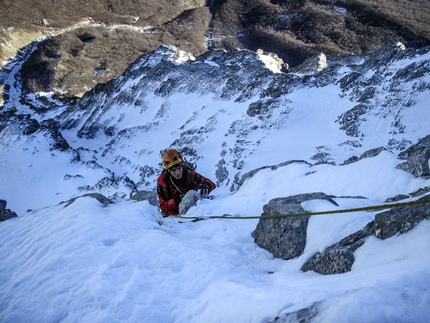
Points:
x=112 y=34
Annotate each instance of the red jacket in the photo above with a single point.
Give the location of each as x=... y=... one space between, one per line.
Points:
x=169 y=196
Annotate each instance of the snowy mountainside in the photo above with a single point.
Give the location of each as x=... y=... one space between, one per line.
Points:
x=256 y=130
x=223 y=110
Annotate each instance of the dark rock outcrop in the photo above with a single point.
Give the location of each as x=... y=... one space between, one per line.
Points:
x=150 y=196
x=99 y=197
x=400 y=220
x=51 y=127
x=417 y=158
x=369 y=153
x=273 y=167
x=339 y=257
x=285 y=237
x=6 y=214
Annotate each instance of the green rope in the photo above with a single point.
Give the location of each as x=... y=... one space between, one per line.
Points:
x=274 y=216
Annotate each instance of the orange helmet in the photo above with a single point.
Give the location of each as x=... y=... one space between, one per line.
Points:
x=171 y=158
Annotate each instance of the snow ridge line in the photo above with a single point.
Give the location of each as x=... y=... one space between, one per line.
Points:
x=274 y=216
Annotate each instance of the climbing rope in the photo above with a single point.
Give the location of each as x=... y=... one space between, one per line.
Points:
x=274 y=216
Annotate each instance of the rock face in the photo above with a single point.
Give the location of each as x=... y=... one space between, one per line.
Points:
x=285 y=237
x=50 y=127
x=103 y=200
x=400 y=220
x=339 y=257
x=5 y=214
x=370 y=153
x=311 y=65
x=150 y=196
x=417 y=158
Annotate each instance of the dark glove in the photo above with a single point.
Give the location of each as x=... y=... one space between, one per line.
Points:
x=203 y=189
x=177 y=198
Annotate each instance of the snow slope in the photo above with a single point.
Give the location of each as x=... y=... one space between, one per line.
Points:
x=124 y=263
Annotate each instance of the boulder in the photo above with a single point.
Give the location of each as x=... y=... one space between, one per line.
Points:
x=149 y=196
x=400 y=220
x=367 y=154
x=2 y=209
x=5 y=214
x=99 y=197
x=285 y=237
x=339 y=257
x=188 y=201
x=372 y=152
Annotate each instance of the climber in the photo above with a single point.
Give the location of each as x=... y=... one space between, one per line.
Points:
x=177 y=179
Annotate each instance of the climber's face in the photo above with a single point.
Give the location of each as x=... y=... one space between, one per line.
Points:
x=176 y=171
